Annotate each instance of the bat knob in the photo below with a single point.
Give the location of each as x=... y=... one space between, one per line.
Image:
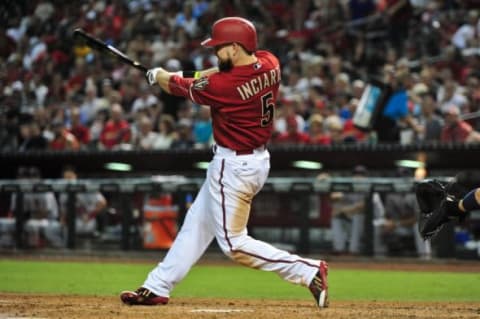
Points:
x=77 y=31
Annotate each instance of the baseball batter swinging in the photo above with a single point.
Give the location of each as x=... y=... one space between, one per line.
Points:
x=241 y=94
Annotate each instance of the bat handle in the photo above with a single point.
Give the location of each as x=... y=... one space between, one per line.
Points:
x=140 y=67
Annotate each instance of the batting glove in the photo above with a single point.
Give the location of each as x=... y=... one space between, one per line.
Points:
x=151 y=75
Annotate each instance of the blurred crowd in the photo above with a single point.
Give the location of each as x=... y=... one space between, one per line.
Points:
x=59 y=94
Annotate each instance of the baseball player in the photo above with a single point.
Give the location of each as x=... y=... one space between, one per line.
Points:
x=88 y=206
x=241 y=94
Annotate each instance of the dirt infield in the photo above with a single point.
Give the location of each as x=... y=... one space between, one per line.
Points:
x=80 y=307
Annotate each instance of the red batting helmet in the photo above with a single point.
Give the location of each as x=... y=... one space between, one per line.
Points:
x=233 y=29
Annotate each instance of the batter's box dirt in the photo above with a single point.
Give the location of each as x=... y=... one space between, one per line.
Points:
x=79 y=307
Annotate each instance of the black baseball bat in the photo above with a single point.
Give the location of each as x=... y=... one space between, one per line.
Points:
x=98 y=44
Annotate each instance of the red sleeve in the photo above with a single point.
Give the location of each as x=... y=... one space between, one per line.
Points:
x=200 y=91
x=180 y=86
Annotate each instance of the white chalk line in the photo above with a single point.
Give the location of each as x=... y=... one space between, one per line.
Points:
x=220 y=310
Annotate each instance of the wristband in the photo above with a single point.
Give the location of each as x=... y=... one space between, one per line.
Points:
x=470 y=202
x=191 y=74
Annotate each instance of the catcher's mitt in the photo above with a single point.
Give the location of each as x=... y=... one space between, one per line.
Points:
x=429 y=194
x=437 y=206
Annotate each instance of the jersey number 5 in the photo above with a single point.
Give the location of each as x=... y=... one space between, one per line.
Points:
x=268 y=109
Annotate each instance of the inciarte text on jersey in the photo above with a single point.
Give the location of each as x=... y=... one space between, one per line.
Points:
x=259 y=83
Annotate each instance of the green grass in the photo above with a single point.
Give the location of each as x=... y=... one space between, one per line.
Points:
x=235 y=282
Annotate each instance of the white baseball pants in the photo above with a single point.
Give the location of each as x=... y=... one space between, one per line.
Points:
x=221 y=210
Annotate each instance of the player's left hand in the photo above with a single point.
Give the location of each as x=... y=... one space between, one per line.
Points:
x=151 y=75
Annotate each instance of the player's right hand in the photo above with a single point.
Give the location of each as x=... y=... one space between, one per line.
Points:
x=151 y=75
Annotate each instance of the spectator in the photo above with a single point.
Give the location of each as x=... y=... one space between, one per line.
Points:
x=318 y=66
x=428 y=76
x=466 y=33
x=289 y=108
x=63 y=140
x=145 y=138
x=341 y=88
x=109 y=94
x=138 y=47
x=312 y=69
x=32 y=138
x=358 y=87
x=96 y=128
x=202 y=127
x=334 y=128
x=57 y=90
x=162 y=45
x=128 y=95
x=472 y=92
x=199 y=8
x=35 y=51
x=396 y=114
x=352 y=134
x=316 y=131
x=292 y=135
x=80 y=131
x=116 y=131
x=91 y=105
x=145 y=100
x=186 y=111
x=430 y=124
x=167 y=133
x=449 y=94
x=457 y=130
x=296 y=87
x=184 y=139
x=171 y=104
x=37 y=89
x=348 y=110
x=186 y=20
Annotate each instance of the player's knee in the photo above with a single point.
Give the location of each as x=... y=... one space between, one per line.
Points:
x=233 y=249
x=242 y=258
